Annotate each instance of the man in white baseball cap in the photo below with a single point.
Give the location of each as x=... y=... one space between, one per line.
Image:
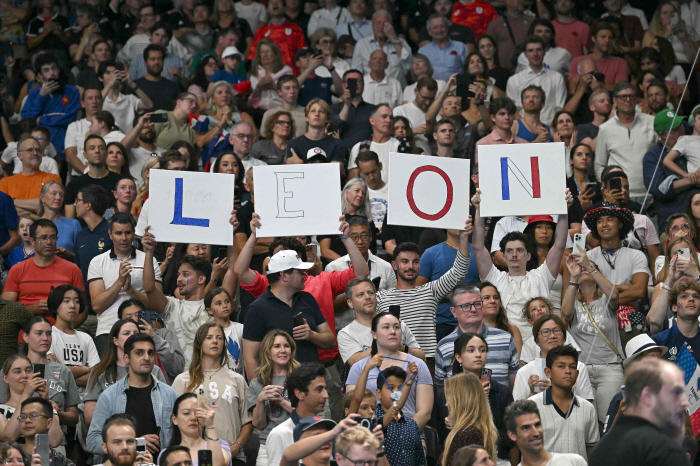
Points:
x=231 y=58
x=286 y=261
x=637 y=349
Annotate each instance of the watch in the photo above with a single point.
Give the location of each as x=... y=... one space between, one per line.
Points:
x=330 y=68
x=240 y=445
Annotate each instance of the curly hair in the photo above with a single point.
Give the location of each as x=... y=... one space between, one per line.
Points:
x=272 y=121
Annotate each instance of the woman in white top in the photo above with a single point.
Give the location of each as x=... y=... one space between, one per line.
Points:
x=677 y=226
x=668 y=24
x=687 y=263
x=324 y=40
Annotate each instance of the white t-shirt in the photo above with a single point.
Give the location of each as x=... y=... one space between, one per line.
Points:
x=75 y=137
x=383 y=150
x=48 y=164
x=355 y=338
x=659 y=264
x=74 y=350
x=521 y=389
x=184 y=319
x=689 y=147
x=138 y=157
x=255 y=14
x=123 y=110
x=565 y=459
x=415 y=115
x=234 y=343
x=556 y=59
x=379 y=200
x=105 y=267
x=627 y=262
x=531 y=351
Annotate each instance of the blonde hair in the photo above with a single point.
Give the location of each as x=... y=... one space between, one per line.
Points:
x=667 y=259
x=469 y=408
x=277 y=54
x=366 y=209
x=355 y=435
x=211 y=109
x=265 y=364
x=143 y=190
x=45 y=189
x=655 y=26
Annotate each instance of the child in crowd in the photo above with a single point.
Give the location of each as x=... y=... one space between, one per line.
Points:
x=231 y=58
x=366 y=408
x=532 y=311
x=218 y=304
x=26 y=249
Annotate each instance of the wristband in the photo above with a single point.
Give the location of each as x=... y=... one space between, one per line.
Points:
x=573 y=283
x=665 y=287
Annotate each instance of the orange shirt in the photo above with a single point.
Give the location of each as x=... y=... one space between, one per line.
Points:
x=20 y=186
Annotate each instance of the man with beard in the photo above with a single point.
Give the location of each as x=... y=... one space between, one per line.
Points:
x=656 y=98
x=161 y=91
x=613 y=68
x=140 y=143
x=55 y=104
x=148 y=400
x=655 y=403
x=119 y=442
x=522 y=419
x=530 y=127
x=599 y=104
x=74 y=141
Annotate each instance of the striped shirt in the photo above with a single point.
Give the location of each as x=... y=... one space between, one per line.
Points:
x=568 y=432
x=419 y=304
x=502 y=357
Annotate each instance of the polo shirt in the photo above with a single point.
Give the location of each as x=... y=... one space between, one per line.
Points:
x=494 y=138
x=105 y=267
x=33 y=283
x=21 y=186
x=323 y=287
x=502 y=357
x=388 y=91
x=521 y=389
x=568 y=432
x=476 y=15
x=123 y=109
x=268 y=312
x=446 y=60
x=550 y=81
x=88 y=244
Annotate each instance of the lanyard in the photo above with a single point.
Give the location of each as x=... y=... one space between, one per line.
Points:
x=387 y=382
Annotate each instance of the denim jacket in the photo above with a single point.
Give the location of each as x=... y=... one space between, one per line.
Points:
x=113 y=401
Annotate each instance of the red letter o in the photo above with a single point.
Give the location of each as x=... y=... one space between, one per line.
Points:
x=412 y=202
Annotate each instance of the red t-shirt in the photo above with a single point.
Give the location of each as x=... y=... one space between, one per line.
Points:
x=573 y=36
x=614 y=68
x=289 y=38
x=323 y=287
x=33 y=283
x=476 y=15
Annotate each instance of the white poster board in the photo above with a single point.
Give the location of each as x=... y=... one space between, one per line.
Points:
x=426 y=191
x=298 y=200
x=191 y=207
x=522 y=179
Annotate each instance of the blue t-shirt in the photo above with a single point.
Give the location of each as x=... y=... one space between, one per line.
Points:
x=223 y=75
x=436 y=262
x=68 y=229
x=678 y=344
x=16 y=256
x=8 y=217
x=313 y=88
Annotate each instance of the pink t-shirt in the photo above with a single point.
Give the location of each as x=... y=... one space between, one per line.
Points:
x=614 y=68
x=493 y=138
x=573 y=36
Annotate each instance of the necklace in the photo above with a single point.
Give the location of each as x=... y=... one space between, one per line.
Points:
x=609 y=253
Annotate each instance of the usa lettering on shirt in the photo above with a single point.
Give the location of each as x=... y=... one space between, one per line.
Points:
x=73 y=355
x=214 y=393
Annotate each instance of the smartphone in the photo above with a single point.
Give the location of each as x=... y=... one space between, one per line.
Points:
x=463 y=83
x=598 y=76
x=204 y=458
x=367 y=422
x=298 y=320
x=317 y=54
x=683 y=253
x=395 y=310
x=352 y=87
x=41 y=369
x=590 y=188
x=579 y=241
x=41 y=442
x=223 y=254
x=615 y=183
x=311 y=252
x=673 y=21
x=159 y=118
x=486 y=375
x=140 y=446
x=200 y=395
x=330 y=128
x=376 y=281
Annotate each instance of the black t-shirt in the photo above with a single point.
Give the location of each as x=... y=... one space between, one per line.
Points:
x=51 y=42
x=87 y=79
x=587 y=130
x=583 y=112
x=245 y=215
x=315 y=87
x=162 y=93
x=400 y=233
x=140 y=406
x=329 y=147
x=109 y=182
x=178 y=19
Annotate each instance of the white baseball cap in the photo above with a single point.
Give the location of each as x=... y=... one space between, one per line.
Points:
x=231 y=50
x=285 y=260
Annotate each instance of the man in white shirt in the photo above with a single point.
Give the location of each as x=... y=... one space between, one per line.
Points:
x=377 y=190
x=518 y=285
x=355 y=340
x=536 y=73
x=379 y=87
x=415 y=111
x=359 y=26
x=522 y=420
x=555 y=58
x=381 y=142
x=13 y=165
x=329 y=16
x=75 y=134
x=123 y=107
x=384 y=38
x=140 y=143
x=117 y=275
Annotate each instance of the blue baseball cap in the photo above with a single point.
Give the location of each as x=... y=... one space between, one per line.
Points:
x=310 y=422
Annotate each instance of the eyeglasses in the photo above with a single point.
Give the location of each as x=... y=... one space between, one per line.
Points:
x=684 y=226
x=283 y=123
x=625 y=96
x=249 y=137
x=427 y=99
x=466 y=307
x=24 y=417
x=547 y=332
x=361 y=462
x=362 y=236
x=47 y=238
x=31 y=151
x=77 y=199
x=14 y=461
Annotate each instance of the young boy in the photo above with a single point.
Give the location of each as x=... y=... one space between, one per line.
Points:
x=218 y=304
x=688 y=147
x=570 y=423
x=25 y=250
x=367 y=403
x=231 y=58
x=70 y=347
x=533 y=310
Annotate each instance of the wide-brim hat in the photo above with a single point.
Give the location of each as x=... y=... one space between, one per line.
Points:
x=625 y=216
x=639 y=345
x=534 y=219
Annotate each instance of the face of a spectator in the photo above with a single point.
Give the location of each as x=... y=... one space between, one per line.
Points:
x=122 y=234
x=451 y=106
x=443 y=7
x=476 y=66
x=356 y=197
x=242 y=141
x=564 y=372
x=154 y=64
x=289 y=92
x=445 y=135
x=487 y=49
x=678 y=228
x=148 y=17
x=407 y=265
x=115 y=159
x=670 y=402
x=283 y=127
x=667 y=11
x=229 y=165
x=317 y=117
x=50 y=71
x=503 y=119
x=95 y=151
x=537 y=309
x=30 y=153
x=200 y=14
x=357 y=7
x=160 y=37
x=516 y=254
x=613 y=6
x=357 y=454
x=186 y=418
x=44 y=241
x=647 y=64
x=120 y=445
x=378 y=26
x=400 y=130
x=364 y=299
x=281 y=351
x=656 y=98
x=367 y=406
x=188 y=280
x=565 y=125
x=419 y=67
x=378 y=62
x=371 y=172
x=70 y=306
x=437 y=29
x=687 y=305
x=388 y=334
x=323 y=454
x=361 y=236
x=18 y=375
x=267 y=55
x=581 y=159
x=360 y=82
x=213 y=343
x=34 y=425
x=381 y=122
x=176 y=165
x=125 y=332
x=23 y=227
x=492 y=303
x=316 y=395
x=125 y=191
x=471 y=317
x=101 y=53
x=534 y=54
x=601 y=104
x=608 y=227
x=179 y=458
x=517 y=5
x=554 y=336
x=275 y=8
x=141 y=358
x=532 y=101
x=528 y=433
x=222 y=96
x=603 y=40
x=198 y=250
x=424 y=97
x=187 y=104
x=43 y=140
x=625 y=190
x=473 y=355
x=544 y=32
x=131 y=312
x=39 y=337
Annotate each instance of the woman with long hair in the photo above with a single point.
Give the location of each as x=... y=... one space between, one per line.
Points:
x=488 y=48
x=477 y=66
x=692 y=210
x=210 y=377
x=151 y=163
x=564 y=130
x=590 y=310
x=668 y=24
x=231 y=164
x=677 y=226
x=194 y=427
x=582 y=182
x=494 y=314
x=22 y=383
x=354 y=202
x=540 y=232
x=386 y=334
x=266 y=391
x=51 y=199
x=650 y=59
x=688 y=265
x=211 y=134
x=104 y=126
x=12 y=454
x=674 y=71
x=266 y=69
x=117 y=158
x=469 y=414
x=207 y=66
x=401 y=130
x=279 y=129
x=112 y=366
x=124 y=195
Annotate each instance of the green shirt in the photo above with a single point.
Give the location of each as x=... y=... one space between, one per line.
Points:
x=172 y=131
